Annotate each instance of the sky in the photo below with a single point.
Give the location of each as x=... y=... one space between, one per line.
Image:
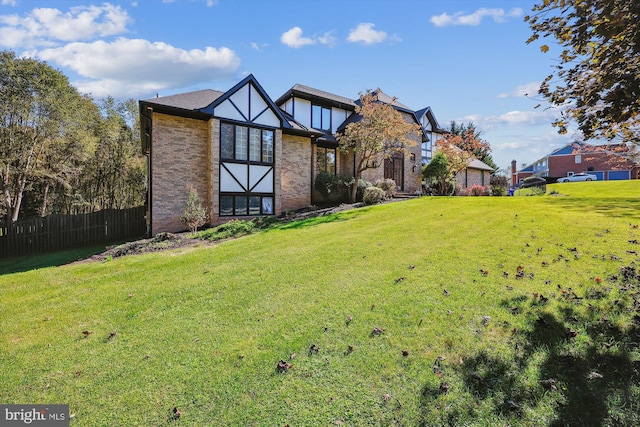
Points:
x=466 y=59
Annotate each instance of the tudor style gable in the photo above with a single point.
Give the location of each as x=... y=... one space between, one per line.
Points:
x=247 y=102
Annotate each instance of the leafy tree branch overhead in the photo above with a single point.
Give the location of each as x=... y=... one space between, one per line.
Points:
x=597 y=81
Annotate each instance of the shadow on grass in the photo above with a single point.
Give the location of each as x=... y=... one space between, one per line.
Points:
x=317 y=220
x=53 y=259
x=612 y=207
x=576 y=366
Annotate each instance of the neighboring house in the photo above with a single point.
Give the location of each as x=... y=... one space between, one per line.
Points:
x=476 y=173
x=247 y=155
x=607 y=162
x=538 y=168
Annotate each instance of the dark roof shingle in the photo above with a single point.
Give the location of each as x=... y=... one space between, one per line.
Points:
x=195 y=100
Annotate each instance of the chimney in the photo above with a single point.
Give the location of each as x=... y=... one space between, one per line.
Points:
x=514 y=177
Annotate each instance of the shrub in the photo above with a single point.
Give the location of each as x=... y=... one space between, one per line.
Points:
x=499 y=181
x=389 y=187
x=362 y=186
x=326 y=183
x=373 y=195
x=232 y=228
x=477 y=190
x=333 y=187
x=498 y=190
x=194 y=214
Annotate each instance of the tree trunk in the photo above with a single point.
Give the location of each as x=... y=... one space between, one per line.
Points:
x=43 y=208
x=18 y=201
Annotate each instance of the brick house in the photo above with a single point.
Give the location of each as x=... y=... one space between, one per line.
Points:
x=247 y=155
x=476 y=173
x=607 y=162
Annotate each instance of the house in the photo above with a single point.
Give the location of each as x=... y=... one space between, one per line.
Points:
x=538 y=168
x=607 y=162
x=247 y=155
x=476 y=173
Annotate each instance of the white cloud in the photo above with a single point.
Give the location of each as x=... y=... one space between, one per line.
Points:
x=8 y=2
x=46 y=26
x=364 y=33
x=475 y=18
x=117 y=68
x=293 y=38
x=328 y=39
x=528 y=90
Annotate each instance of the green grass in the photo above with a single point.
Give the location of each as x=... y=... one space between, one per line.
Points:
x=203 y=329
x=54 y=259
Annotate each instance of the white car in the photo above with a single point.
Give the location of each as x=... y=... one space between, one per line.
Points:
x=579 y=177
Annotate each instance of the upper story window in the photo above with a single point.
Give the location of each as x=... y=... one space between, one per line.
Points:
x=244 y=143
x=578 y=158
x=427 y=152
x=320 y=117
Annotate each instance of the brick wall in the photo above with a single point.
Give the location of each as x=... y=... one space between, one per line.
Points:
x=179 y=161
x=471 y=177
x=295 y=172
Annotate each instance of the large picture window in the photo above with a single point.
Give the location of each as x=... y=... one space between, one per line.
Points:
x=326 y=160
x=243 y=143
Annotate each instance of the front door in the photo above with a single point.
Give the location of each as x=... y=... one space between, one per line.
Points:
x=394 y=169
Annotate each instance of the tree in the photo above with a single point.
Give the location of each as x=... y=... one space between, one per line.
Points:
x=380 y=132
x=194 y=214
x=40 y=113
x=451 y=159
x=437 y=171
x=472 y=142
x=114 y=177
x=597 y=81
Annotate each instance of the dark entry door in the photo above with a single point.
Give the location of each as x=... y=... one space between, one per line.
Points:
x=394 y=169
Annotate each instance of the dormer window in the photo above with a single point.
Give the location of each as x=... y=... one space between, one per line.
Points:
x=321 y=118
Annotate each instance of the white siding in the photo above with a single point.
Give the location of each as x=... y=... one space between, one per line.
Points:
x=302 y=111
x=288 y=106
x=338 y=116
x=226 y=110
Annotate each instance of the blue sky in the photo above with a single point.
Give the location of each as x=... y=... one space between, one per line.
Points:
x=466 y=59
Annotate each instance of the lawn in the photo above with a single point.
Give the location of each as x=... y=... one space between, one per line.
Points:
x=483 y=311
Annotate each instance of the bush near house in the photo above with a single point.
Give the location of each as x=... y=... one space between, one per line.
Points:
x=373 y=195
x=362 y=185
x=389 y=187
x=194 y=214
x=478 y=190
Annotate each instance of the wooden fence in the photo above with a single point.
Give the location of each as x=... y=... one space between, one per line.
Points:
x=56 y=232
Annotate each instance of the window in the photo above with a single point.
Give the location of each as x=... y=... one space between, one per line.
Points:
x=321 y=117
x=226 y=141
x=243 y=143
x=254 y=145
x=326 y=160
x=427 y=152
x=578 y=158
x=267 y=146
x=237 y=205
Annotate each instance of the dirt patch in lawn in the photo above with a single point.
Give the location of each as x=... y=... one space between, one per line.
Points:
x=161 y=242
